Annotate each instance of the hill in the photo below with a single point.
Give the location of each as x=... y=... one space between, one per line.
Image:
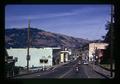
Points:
x=17 y=38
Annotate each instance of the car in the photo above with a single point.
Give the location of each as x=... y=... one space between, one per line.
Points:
x=79 y=62
x=76 y=69
x=85 y=63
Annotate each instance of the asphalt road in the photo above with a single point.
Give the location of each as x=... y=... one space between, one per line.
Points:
x=66 y=71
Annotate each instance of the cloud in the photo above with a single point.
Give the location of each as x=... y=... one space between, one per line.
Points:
x=85 y=10
x=45 y=16
x=77 y=21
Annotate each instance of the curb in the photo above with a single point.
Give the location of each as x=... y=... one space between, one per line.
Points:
x=101 y=73
x=25 y=74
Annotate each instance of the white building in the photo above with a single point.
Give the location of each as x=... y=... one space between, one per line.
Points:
x=93 y=47
x=35 y=55
x=64 y=56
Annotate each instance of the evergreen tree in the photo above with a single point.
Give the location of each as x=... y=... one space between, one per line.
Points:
x=107 y=39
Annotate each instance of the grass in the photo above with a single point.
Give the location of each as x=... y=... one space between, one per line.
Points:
x=107 y=66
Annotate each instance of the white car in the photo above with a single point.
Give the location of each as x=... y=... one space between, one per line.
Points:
x=85 y=63
x=79 y=62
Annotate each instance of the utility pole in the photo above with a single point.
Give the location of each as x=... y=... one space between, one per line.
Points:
x=111 y=55
x=28 y=56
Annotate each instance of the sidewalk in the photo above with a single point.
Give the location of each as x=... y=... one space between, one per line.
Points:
x=101 y=71
x=25 y=73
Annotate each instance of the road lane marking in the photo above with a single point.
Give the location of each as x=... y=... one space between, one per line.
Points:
x=86 y=72
x=65 y=73
x=38 y=75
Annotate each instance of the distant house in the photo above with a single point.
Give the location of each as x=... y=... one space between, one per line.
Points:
x=36 y=55
x=95 y=50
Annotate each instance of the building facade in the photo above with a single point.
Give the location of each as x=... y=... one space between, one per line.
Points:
x=65 y=55
x=96 y=46
x=36 y=55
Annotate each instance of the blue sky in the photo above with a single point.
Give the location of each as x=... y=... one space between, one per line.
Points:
x=82 y=21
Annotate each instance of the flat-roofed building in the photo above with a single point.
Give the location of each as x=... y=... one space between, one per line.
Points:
x=93 y=47
x=36 y=54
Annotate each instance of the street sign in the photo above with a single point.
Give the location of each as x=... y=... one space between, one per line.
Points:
x=28 y=57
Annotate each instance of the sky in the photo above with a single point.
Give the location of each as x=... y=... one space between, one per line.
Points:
x=81 y=21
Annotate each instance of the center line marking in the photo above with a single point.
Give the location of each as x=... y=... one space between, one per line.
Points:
x=66 y=73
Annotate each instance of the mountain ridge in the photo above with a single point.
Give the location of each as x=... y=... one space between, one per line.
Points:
x=17 y=38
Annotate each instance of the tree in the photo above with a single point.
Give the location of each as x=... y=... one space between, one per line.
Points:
x=107 y=39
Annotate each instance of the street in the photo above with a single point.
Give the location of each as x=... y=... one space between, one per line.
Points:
x=66 y=71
